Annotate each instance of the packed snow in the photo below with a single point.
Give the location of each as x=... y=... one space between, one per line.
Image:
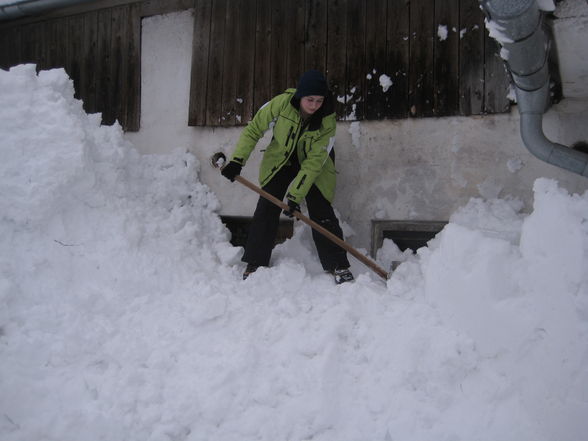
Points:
x=355 y=132
x=442 y=32
x=546 y=5
x=123 y=315
x=385 y=82
x=497 y=31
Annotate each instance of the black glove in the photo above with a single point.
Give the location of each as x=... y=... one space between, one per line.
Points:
x=231 y=170
x=292 y=207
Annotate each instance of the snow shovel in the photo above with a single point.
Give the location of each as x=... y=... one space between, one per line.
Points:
x=218 y=159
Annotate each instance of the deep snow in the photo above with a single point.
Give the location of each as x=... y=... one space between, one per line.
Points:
x=123 y=316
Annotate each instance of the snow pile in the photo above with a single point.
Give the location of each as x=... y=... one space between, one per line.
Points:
x=123 y=316
x=524 y=302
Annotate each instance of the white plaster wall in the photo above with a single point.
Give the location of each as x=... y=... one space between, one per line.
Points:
x=423 y=169
x=571 y=38
x=413 y=169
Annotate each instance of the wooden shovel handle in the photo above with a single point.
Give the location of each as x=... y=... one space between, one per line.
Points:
x=363 y=259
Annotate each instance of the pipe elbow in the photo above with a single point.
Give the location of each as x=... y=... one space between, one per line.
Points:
x=533 y=137
x=553 y=153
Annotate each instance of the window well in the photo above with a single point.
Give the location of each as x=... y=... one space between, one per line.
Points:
x=405 y=234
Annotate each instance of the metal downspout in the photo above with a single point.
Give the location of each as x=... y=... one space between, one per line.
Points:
x=518 y=26
x=24 y=8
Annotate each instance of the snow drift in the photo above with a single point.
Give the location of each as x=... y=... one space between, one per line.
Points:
x=123 y=316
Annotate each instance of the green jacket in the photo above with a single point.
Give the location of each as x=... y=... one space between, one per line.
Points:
x=313 y=146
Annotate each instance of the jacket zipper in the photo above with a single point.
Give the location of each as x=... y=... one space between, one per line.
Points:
x=292 y=136
x=301 y=182
x=289 y=135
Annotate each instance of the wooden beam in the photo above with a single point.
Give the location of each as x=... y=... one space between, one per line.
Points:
x=315 y=50
x=147 y=9
x=421 y=77
x=336 y=53
x=375 y=58
x=471 y=59
x=246 y=63
x=263 y=39
x=397 y=59
x=200 y=63
x=446 y=62
x=355 y=60
x=133 y=75
x=496 y=81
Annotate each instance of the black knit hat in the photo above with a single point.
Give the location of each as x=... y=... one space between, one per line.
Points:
x=311 y=82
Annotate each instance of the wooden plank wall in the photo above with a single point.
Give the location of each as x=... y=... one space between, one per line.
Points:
x=397 y=66
x=471 y=60
x=354 y=42
x=100 y=51
x=246 y=51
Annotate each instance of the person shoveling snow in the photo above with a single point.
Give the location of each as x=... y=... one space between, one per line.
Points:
x=299 y=163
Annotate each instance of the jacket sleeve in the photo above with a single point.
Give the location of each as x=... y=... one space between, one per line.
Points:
x=315 y=161
x=256 y=128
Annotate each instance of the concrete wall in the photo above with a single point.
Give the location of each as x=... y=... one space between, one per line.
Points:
x=414 y=169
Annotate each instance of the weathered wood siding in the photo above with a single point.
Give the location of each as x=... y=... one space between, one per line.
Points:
x=100 y=51
x=246 y=51
x=354 y=42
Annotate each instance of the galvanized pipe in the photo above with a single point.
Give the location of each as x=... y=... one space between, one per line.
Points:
x=24 y=8
x=518 y=26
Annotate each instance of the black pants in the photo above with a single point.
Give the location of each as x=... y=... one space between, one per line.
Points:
x=263 y=229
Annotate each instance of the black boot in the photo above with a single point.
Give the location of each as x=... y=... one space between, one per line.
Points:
x=342 y=275
x=250 y=269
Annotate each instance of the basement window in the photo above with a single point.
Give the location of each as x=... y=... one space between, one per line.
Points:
x=239 y=228
x=405 y=234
